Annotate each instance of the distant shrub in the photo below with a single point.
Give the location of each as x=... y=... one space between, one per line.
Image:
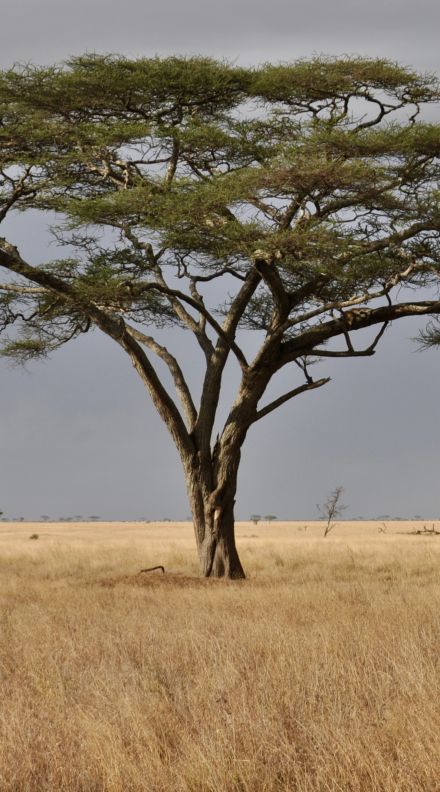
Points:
x=34 y=536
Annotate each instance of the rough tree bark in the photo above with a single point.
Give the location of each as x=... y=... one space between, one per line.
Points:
x=214 y=528
x=211 y=480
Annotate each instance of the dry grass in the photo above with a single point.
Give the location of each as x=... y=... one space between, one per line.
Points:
x=320 y=672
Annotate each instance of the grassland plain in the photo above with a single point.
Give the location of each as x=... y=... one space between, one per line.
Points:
x=318 y=673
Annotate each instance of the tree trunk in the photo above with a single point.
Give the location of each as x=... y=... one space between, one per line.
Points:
x=218 y=554
x=213 y=516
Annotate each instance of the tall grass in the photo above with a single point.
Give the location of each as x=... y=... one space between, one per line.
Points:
x=319 y=673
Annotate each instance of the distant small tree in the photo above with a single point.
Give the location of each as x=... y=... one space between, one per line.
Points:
x=94 y=517
x=78 y=518
x=270 y=517
x=255 y=518
x=332 y=509
x=44 y=517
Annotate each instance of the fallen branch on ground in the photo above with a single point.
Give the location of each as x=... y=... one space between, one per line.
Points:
x=423 y=531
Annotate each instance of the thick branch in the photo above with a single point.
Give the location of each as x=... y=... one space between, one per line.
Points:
x=312 y=287
x=173 y=164
x=214 y=372
x=355 y=300
x=357 y=319
x=176 y=372
x=23 y=290
x=225 y=271
x=11 y=260
x=268 y=210
x=395 y=240
x=290 y=212
x=350 y=352
x=287 y=396
x=162 y=400
x=173 y=297
x=268 y=271
x=115 y=327
x=175 y=293
x=195 y=327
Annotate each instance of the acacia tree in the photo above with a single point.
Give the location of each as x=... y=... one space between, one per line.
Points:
x=308 y=189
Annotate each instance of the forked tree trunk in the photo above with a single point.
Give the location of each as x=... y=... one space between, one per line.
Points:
x=212 y=510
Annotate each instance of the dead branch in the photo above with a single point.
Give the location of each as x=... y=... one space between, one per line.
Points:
x=423 y=531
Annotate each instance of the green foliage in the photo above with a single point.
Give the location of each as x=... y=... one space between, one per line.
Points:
x=321 y=166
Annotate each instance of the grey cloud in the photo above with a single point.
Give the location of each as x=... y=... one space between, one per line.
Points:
x=80 y=434
x=50 y=30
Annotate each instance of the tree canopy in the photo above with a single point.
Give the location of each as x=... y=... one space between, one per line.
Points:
x=310 y=189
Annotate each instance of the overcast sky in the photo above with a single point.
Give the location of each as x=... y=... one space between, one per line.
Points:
x=78 y=434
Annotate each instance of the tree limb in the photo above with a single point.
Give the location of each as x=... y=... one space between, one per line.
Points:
x=176 y=372
x=214 y=371
x=23 y=290
x=175 y=293
x=263 y=264
x=357 y=319
x=350 y=352
x=17 y=192
x=113 y=326
x=287 y=396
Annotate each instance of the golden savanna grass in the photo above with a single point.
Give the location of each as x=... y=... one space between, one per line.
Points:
x=318 y=673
